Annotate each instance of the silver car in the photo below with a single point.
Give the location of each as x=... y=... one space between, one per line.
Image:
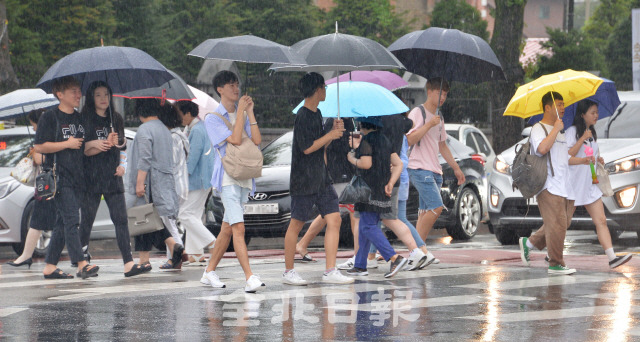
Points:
x=619 y=141
x=16 y=199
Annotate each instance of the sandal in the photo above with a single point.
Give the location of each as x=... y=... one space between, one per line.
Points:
x=167 y=265
x=58 y=274
x=135 y=270
x=146 y=267
x=307 y=258
x=200 y=260
x=89 y=271
x=176 y=259
x=79 y=275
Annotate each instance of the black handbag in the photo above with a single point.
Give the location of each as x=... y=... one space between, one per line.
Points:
x=357 y=191
x=46 y=181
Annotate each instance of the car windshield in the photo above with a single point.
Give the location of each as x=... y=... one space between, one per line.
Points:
x=13 y=148
x=279 y=151
x=625 y=124
x=453 y=133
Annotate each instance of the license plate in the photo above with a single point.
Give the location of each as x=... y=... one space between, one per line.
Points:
x=533 y=200
x=262 y=208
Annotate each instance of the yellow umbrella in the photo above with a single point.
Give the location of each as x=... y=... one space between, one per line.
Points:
x=572 y=85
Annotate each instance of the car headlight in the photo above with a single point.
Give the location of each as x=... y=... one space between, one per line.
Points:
x=7 y=187
x=501 y=166
x=626 y=197
x=627 y=164
x=495 y=197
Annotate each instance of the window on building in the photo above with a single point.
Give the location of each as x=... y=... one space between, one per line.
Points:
x=544 y=12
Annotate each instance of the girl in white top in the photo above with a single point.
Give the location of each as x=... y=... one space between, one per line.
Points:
x=579 y=185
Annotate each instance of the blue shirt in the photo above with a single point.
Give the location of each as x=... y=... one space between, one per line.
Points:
x=218 y=132
x=201 y=158
x=403 y=191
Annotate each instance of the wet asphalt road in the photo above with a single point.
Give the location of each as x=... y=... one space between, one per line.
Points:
x=480 y=291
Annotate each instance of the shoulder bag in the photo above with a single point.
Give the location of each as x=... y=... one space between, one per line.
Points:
x=604 y=184
x=242 y=161
x=25 y=172
x=144 y=219
x=529 y=172
x=47 y=180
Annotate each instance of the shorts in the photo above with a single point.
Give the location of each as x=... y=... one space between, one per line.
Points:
x=233 y=199
x=44 y=215
x=393 y=214
x=428 y=184
x=326 y=201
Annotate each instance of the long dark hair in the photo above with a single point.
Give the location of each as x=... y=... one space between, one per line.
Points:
x=169 y=116
x=581 y=109
x=89 y=108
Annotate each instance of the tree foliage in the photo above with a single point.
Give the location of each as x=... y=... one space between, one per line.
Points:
x=458 y=14
x=571 y=50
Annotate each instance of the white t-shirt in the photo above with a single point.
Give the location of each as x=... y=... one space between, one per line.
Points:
x=226 y=179
x=559 y=155
x=580 y=187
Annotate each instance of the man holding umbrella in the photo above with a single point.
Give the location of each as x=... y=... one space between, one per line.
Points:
x=428 y=138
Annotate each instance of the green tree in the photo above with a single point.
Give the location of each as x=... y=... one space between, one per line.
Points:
x=571 y=50
x=606 y=16
x=458 y=14
x=618 y=55
x=373 y=19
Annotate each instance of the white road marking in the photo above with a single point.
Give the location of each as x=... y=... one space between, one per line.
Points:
x=541 y=282
x=606 y=311
x=435 y=302
x=4 y=312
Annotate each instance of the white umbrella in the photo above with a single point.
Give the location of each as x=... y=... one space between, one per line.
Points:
x=21 y=101
x=206 y=104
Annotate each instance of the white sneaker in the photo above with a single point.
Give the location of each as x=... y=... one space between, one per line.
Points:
x=372 y=263
x=430 y=260
x=336 y=277
x=416 y=259
x=253 y=284
x=347 y=265
x=292 y=278
x=436 y=261
x=211 y=278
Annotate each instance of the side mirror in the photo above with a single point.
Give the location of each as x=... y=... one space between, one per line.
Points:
x=526 y=132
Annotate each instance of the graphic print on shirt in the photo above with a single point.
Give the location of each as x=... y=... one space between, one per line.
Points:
x=70 y=130
x=102 y=133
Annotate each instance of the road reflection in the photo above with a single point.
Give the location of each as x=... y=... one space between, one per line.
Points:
x=493 y=310
x=621 y=320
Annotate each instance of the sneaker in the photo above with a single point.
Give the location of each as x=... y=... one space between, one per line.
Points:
x=358 y=272
x=211 y=278
x=524 y=251
x=621 y=260
x=416 y=259
x=396 y=266
x=347 y=265
x=436 y=261
x=559 y=269
x=546 y=259
x=372 y=263
x=379 y=257
x=430 y=260
x=292 y=278
x=335 y=277
x=253 y=284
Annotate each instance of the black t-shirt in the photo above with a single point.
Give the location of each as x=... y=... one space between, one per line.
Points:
x=376 y=145
x=308 y=171
x=100 y=169
x=338 y=165
x=69 y=166
x=395 y=127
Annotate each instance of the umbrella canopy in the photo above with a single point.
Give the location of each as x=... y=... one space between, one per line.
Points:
x=359 y=99
x=606 y=97
x=339 y=52
x=21 y=101
x=448 y=53
x=175 y=90
x=572 y=85
x=248 y=49
x=206 y=104
x=386 y=79
x=123 y=68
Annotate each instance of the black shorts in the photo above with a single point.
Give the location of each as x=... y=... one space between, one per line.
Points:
x=326 y=202
x=44 y=215
x=145 y=242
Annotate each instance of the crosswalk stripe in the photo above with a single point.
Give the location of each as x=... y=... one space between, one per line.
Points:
x=139 y=287
x=607 y=311
x=4 y=312
x=541 y=282
x=101 y=278
x=434 y=302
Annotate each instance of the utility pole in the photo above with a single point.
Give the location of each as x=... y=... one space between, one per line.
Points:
x=570 y=7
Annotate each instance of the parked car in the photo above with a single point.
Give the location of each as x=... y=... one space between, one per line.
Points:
x=268 y=211
x=476 y=140
x=619 y=141
x=16 y=199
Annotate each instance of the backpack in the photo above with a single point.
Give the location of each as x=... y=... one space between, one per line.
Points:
x=242 y=161
x=529 y=172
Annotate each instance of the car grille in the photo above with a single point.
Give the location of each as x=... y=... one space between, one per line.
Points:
x=269 y=195
x=267 y=220
x=518 y=207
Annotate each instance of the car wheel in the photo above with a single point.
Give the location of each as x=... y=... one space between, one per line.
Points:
x=24 y=227
x=506 y=236
x=468 y=215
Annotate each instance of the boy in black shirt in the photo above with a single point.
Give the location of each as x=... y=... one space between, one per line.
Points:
x=310 y=183
x=61 y=134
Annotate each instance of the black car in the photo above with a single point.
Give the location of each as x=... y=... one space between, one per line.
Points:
x=268 y=211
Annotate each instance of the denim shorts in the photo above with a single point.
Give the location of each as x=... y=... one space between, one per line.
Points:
x=326 y=201
x=233 y=199
x=428 y=184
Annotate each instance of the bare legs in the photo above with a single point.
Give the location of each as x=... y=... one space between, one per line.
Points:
x=596 y=211
x=316 y=227
x=331 y=239
x=426 y=220
x=30 y=242
x=239 y=245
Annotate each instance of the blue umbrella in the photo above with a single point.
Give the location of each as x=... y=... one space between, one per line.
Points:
x=606 y=97
x=359 y=99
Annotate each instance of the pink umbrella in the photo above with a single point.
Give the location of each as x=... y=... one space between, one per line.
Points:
x=386 y=79
x=205 y=102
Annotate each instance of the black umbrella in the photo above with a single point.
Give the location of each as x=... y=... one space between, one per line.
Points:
x=176 y=90
x=247 y=48
x=123 y=68
x=339 y=52
x=448 y=53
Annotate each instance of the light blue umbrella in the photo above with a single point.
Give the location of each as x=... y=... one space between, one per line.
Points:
x=359 y=99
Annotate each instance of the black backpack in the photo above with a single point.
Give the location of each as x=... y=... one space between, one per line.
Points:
x=529 y=172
